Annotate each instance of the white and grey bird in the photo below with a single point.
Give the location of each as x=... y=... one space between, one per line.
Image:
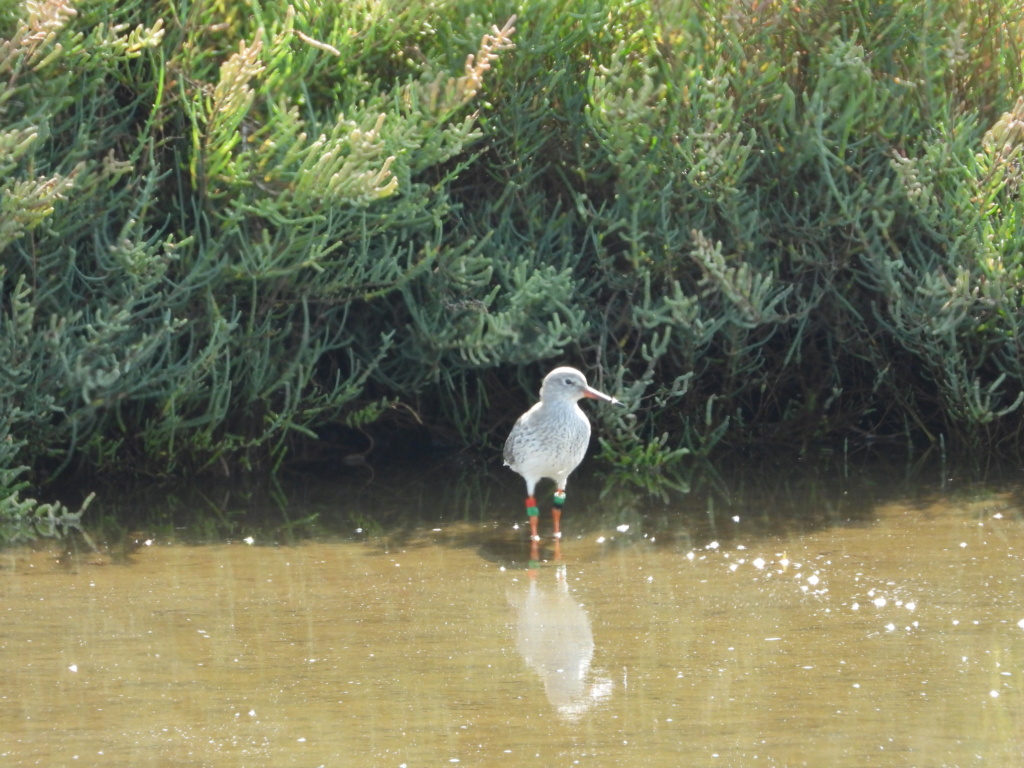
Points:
x=551 y=438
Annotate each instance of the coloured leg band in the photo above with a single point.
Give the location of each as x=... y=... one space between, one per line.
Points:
x=559 y=497
x=531 y=506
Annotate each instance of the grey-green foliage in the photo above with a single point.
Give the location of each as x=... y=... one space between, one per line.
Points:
x=200 y=229
x=22 y=517
x=955 y=300
x=815 y=225
x=223 y=228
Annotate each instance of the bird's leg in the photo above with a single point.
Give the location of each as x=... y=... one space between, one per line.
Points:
x=531 y=511
x=556 y=511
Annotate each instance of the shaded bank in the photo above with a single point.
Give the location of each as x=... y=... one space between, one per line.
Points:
x=392 y=506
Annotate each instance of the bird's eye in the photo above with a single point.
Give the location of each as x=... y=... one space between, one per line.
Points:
x=569 y=382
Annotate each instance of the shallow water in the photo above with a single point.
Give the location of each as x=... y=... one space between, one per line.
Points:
x=776 y=622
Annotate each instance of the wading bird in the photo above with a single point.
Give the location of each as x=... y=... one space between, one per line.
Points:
x=551 y=438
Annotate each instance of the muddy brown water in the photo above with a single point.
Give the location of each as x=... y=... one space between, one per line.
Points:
x=896 y=639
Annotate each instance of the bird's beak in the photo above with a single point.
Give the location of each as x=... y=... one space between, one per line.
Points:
x=594 y=394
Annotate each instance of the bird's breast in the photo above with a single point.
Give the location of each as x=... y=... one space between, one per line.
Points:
x=548 y=442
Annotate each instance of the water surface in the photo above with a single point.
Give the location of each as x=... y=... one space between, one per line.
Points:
x=776 y=621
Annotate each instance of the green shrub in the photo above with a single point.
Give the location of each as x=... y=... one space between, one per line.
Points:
x=223 y=229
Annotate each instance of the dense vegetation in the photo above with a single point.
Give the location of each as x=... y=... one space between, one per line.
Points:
x=229 y=231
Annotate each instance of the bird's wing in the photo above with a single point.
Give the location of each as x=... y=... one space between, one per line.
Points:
x=509 y=454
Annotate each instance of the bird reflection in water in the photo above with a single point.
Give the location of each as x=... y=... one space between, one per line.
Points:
x=554 y=638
